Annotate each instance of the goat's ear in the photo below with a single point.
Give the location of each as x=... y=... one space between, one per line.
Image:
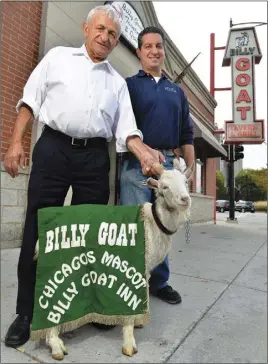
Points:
x=176 y=164
x=152 y=183
x=189 y=171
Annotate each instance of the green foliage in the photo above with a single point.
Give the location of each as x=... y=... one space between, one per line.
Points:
x=252 y=184
x=221 y=189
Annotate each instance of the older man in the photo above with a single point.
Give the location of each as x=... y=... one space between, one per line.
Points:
x=162 y=114
x=82 y=101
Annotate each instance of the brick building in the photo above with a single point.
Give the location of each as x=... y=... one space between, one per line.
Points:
x=28 y=31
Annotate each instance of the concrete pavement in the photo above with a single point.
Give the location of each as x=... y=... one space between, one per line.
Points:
x=222 y=277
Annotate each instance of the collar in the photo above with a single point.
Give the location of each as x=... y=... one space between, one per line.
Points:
x=82 y=51
x=159 y=223
x=142 y=73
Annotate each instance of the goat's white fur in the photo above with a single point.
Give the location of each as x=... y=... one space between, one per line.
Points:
x=172 y=198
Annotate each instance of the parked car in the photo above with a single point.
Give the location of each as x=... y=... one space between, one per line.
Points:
x=244 y=206
x=222 y=205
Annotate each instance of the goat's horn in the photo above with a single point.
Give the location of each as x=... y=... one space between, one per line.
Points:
x=158 y=168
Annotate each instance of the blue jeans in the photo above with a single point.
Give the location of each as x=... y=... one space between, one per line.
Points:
x=133 y=192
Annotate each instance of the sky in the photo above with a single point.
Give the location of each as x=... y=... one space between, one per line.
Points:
x=190 y=24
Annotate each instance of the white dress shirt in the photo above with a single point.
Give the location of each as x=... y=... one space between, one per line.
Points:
x=83 y=99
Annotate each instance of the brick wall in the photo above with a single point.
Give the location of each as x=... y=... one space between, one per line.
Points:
x=211 y=177
x=20 y=32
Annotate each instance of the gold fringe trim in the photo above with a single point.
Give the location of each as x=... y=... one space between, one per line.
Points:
x=121 y=320
x=93 y=317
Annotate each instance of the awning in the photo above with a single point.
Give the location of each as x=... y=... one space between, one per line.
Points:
x=205 y=139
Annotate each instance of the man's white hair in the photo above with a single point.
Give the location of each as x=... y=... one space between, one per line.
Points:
x=109 y=11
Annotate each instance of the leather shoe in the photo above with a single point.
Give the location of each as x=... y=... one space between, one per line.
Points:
x=18 y=332
x=169 y=295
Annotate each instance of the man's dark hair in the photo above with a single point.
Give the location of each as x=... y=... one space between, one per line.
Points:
x=149 y=30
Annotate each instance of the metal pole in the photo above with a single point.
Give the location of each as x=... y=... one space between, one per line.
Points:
x=231 y=184
x=212 y=64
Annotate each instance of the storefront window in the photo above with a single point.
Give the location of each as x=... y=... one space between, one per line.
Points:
x=199 y=176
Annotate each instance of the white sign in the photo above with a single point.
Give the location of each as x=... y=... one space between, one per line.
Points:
x=242 y=52
x=242 y=42
x=131 y=24
x=244 y=133
x=243 y=89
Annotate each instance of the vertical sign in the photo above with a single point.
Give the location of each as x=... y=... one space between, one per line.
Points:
x=242 y=53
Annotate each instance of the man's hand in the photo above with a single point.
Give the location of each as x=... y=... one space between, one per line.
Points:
x=146 y=155
x=152 y=156
x=14 y=158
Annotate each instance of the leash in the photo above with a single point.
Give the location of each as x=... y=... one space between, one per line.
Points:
x=187 y=226
x=159 y=223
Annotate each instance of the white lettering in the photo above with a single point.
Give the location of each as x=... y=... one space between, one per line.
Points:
x=126 y=293
x=112 y=234
x=65 y=242
x=43 y=305
x=49 y=242
x=91 y=258
x=134 y=302
x=102 y=280
x=85 y=280
x=56 y=279
x=75 y=266
x=107 y=258
x=122 y=237
x=57 y=246
x=93 y=276
x=103 y=233
x=75 y=240
x=112 y=280
x=83 y=228
x=83 y=259
x=127 y=273
x=54 y=317
x=65 y=268
x=132 y=229
x=48 y=291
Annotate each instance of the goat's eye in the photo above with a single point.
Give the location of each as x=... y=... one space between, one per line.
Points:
x=165 y=187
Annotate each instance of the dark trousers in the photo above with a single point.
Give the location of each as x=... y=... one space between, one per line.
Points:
x=56 y=166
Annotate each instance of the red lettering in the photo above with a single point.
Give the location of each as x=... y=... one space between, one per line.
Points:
x=243 y=96
x=243 y=110
x=243 y=79
x=242 y=64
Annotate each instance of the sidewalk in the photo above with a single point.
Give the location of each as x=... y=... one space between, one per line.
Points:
x=222 y=277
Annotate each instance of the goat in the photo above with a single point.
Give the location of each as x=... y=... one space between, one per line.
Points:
x=161 y=220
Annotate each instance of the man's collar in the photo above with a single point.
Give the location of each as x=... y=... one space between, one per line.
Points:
x=82 y=51
x=142 y=73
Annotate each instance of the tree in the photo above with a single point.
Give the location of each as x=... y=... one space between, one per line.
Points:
x=220 y=187
x=252 y=184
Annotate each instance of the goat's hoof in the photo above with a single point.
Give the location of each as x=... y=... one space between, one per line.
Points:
x=129 y=351
x=58 y=356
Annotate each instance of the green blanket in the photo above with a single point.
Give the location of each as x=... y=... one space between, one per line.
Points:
x=91 y=267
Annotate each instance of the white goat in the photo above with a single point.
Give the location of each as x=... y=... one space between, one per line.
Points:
x=172 y=198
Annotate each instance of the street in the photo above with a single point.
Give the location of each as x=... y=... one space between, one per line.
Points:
x=256 y=219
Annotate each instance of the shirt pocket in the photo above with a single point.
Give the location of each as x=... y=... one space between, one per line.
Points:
x=108 y=105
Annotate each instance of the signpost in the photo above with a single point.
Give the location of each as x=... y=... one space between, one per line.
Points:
x=242 y=53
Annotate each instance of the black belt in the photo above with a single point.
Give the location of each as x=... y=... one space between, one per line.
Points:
x=76 y=142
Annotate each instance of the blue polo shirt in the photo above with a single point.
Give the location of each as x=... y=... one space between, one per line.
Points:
x=161 y=110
